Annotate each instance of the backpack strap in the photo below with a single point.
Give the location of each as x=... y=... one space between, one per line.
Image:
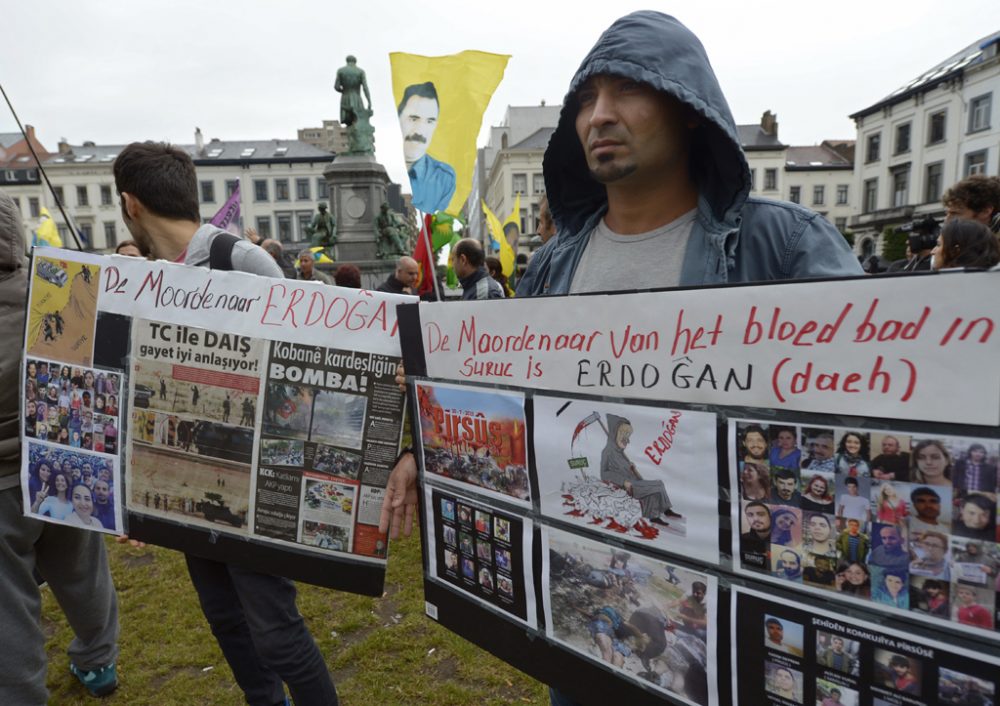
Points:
x=220 y=253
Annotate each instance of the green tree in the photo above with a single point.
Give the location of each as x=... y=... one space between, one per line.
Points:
x=848 y=236
x=894 y=244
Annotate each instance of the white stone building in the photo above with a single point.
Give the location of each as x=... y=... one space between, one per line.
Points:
x=281 y=183
x=923 y=137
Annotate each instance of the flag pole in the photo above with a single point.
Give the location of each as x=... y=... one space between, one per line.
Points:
x=425 y=233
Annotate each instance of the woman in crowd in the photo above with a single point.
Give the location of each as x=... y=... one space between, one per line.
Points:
x=852 y=455
x=817 y=496
x=496 y=272
x=854 y=578
x=889 y=508
x=892 y=590
x=785 y=453
x=83 y=508
x=39 y=481
x=964 y=243
x=932 y=463
x=976 y=518
x=56 y=505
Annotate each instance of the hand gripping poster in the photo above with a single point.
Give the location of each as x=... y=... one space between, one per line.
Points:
x=475 y=440
x=787 y=653
x=651 y=622
x=646 y=475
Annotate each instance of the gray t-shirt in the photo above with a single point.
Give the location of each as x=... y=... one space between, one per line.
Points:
x=651 y=260
x=246 y=256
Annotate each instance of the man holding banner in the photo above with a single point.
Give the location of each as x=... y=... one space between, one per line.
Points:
x=252 y=615
x=648 y=183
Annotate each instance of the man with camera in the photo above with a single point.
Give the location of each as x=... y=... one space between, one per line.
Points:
x=922 y=237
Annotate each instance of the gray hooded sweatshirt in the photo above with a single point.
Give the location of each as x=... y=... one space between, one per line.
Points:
x=13 y=292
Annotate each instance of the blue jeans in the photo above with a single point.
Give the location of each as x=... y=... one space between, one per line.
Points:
x=262 y=635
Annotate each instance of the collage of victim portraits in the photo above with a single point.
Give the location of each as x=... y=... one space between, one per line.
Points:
x=901 y=521
x=71 y=425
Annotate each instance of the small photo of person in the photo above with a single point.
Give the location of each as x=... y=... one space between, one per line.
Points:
x=932 y=557
x=450 y=561
x=957 y=688
x=786 y=564
x=786 y=526
x=502 y=559
x=899 y=672
x=930 y=596
x=505 y=586
x=853 y=501
x=784 y=487
x=889 y=548
x=820 y=572
x=755 y=481
x=465 y=514
x=932 y=464
x=889 y=587
x=976 y=467
x=482 y=522
x=465 y=543
x=972 y=606
x=931 y=509
x=784 y=449
x=891 y=456
x=836 y=652
x=817 y=492
x=852 y=543
x=853 y=454
x=783 y=635
x=484 y=551
x=783 y=681
x=468 y=568
x=752 y=445
x=448 y=509
x=501 y=529
x=486 y=579
x=853 y=578
x=890 y=501
x=820 y=450
x=449 y=536
x=818 y=535
x=829 y=693
x=976 y=516
x=975 y=563
x=755 y=537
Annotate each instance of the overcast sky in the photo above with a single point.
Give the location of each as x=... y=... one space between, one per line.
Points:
x=115 y=71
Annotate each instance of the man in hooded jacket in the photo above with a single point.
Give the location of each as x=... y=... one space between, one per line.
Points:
x=649 y=188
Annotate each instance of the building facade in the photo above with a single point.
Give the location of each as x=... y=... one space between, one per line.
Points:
x=281 y=184
x=923 y=137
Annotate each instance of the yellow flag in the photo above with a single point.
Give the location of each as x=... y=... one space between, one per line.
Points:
x=440 y=102
x=507 y=256
x=47 y=233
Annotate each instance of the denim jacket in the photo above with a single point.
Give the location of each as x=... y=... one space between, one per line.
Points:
x=735 y=237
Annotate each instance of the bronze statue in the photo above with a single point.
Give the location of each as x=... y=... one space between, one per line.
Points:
x=361 y=134
x=323 y=229
x=393 y=234
x=349 y=83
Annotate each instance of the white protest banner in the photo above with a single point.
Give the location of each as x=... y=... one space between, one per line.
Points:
x=892 y=347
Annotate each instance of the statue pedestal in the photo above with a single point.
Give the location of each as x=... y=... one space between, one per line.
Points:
x=356 y=185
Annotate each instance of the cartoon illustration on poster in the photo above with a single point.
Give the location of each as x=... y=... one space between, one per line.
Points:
x=636 y=473
x=63 y=311
x=475 y=439
x=794 y=653
x=482 y=551
x=650 y=621
x=903 y=522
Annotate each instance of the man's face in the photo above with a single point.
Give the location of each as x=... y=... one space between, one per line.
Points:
x=890 y=539
x=758 y=518
x=102 y=491
x=785 y=487
x=775 y=633
x=408 y=274
x=628 y=128
x=838 y=645
x=852 y=488
x=900 y=669
x=890 y=446
x=698 y=594
x=784 y=680
x=852 y=527
x=755 y=444
x=417 y=122
x=934 y=548
x=306 y=265
x=928 y=507
x=822 y=447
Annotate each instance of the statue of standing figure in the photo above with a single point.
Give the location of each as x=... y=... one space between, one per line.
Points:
x=349 y=83
x=323 y=229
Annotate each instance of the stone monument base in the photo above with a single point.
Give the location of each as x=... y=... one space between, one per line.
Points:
x=356 y=187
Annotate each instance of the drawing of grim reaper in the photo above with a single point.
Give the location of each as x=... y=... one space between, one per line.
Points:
x=616 y=468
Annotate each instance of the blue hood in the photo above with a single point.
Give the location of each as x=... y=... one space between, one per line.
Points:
x=658 y=50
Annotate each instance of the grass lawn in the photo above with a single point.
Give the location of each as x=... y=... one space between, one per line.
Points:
x=380 y=651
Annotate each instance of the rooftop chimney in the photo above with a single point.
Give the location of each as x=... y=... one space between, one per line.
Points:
x=64 y=147
x=199 y=142
x=769 y=123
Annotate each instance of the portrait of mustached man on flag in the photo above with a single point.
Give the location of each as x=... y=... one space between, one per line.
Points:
x=440 y=102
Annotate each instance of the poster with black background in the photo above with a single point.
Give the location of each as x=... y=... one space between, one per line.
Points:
x=792 y=653
x=482 y=551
